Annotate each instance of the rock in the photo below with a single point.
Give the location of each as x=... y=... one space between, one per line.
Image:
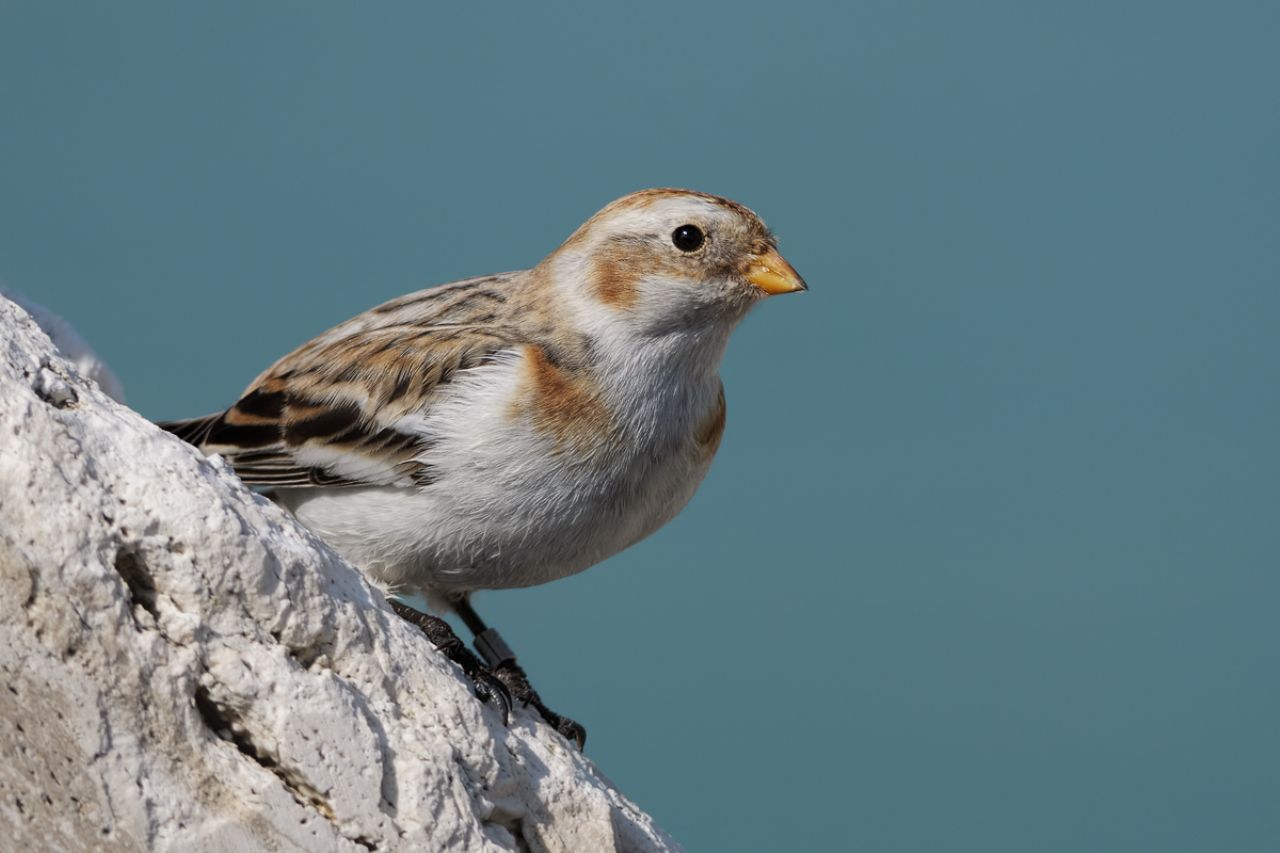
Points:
x=70 y=345
x=184 y=667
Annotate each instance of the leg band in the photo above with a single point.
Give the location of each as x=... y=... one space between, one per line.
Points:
x=493 y=648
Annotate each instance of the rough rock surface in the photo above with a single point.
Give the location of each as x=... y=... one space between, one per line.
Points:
x=186 y=668
x=70 y=345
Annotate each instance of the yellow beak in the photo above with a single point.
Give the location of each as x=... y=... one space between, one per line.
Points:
x=771 y=273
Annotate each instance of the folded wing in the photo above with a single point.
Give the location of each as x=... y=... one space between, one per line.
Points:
x=345 y=411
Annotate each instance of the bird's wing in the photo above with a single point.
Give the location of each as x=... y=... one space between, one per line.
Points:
x=345 y=409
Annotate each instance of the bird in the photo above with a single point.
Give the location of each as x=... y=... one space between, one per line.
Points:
x=512 y=429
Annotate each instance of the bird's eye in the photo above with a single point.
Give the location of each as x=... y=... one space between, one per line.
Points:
x=688 y=238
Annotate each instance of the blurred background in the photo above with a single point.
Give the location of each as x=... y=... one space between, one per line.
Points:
x=990 y=557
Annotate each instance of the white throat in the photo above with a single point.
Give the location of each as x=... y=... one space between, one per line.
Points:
x=665 y=375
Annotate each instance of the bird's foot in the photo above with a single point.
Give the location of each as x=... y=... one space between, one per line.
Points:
x=517 y=685
x=488 y=687
x=502 y=682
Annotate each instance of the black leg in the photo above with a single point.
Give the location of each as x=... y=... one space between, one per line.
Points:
x=502 y=663
x=488 y=687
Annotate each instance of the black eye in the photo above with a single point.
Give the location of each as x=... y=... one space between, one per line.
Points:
x=688 y=238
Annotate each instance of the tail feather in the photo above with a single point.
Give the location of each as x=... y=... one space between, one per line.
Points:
x=192 y=430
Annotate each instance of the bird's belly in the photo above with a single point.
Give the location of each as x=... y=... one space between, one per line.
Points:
x=501 y=521
x=536 y=522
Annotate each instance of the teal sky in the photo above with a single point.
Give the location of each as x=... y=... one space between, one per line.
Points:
x=990 y=557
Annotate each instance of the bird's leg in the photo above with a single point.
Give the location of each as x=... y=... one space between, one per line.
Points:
x=488 y=687
x=502 y=663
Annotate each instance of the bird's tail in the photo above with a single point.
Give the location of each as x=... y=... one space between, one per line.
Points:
x=192 y=430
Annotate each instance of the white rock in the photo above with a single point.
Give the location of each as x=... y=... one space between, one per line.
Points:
x=72 y=347
x=186 y=668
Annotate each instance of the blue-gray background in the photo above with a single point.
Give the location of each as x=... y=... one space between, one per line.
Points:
x=988 y=560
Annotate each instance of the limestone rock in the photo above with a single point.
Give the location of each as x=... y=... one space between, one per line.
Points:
x=70 y=345
x=184 y=667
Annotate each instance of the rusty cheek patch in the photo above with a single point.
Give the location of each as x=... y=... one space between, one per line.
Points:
x=616 y=275
x=712 y=429
x=563 y=406
x=618 y=269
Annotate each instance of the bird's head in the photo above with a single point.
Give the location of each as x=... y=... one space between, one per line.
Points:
x=667 y=260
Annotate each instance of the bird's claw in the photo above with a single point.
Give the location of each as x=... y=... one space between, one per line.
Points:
x=517 y=684
x=570 y=729
x=501 y=685
x=490 y=689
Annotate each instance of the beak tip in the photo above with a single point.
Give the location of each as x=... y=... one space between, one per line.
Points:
x=773 y=275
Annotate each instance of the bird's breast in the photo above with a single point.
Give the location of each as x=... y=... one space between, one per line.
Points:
x=545 y=468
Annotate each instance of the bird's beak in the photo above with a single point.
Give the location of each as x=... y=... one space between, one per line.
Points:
x=771 y=273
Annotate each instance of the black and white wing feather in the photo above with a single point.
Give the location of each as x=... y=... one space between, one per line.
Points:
x=345 y=409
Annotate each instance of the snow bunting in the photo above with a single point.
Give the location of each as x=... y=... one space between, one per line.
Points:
x=512 y=429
